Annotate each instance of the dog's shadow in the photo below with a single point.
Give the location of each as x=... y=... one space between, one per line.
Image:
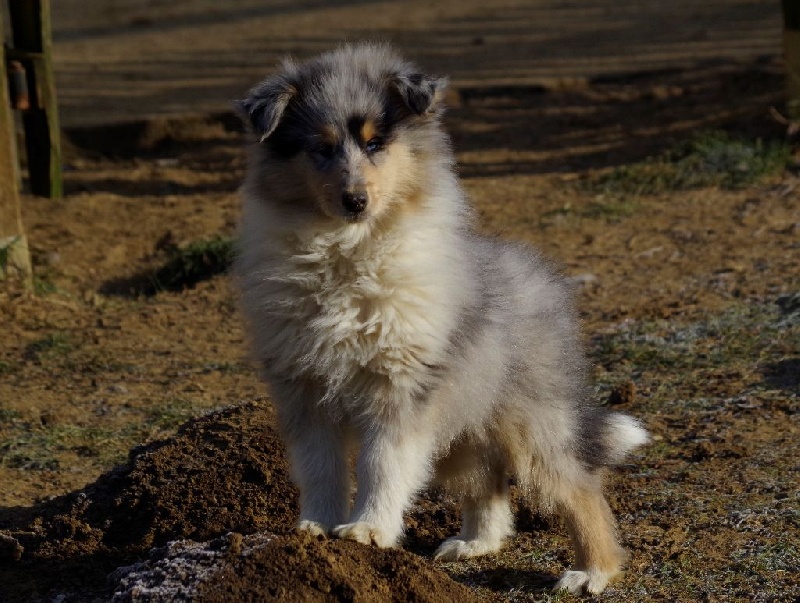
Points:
x=505 y=580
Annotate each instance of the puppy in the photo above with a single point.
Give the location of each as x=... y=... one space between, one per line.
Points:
x=383 y=323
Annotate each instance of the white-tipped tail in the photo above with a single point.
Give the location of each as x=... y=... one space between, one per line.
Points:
x=624 y=434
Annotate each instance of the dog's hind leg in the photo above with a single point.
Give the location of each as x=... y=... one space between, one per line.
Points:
x=481 y=475
x=598 y=556
x=486 y=521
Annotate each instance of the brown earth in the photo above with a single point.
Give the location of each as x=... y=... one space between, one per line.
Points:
x=689 y=297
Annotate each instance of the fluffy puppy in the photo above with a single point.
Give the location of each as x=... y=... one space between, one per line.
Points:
x=383 y=323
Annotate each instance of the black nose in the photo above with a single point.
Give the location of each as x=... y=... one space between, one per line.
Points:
x=354 y=202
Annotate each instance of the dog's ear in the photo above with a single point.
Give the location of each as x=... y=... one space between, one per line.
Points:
x=262 y=109
x=421 y=94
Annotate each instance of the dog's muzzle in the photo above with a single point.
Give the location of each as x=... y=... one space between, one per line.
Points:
x=354 y=203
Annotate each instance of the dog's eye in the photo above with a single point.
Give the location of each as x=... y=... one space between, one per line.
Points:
x=373 y=145
x=323 y=153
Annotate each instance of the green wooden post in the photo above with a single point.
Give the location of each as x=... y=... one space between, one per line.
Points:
x=791 y=52
x=14 y=256
x=30 y=26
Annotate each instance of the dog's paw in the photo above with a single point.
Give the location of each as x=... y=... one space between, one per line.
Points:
x=454 y=549
x=363 y=532
x=580 y=582
x=312 y=527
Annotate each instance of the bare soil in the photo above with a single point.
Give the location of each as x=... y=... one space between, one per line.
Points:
x=138 y=453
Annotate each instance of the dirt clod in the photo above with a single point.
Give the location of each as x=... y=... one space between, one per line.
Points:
x=10 y=548
x=624 y=393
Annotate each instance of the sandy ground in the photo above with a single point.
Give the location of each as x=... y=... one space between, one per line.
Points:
x=689 y=299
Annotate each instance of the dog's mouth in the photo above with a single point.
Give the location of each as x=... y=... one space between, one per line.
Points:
x=355 y=217
x=340 y=214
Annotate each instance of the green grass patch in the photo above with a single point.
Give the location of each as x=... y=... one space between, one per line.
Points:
x=50 y=447
x=43 y=286
x=171 y=414
x=227 y=368
x=8 y=415
x=741 y=332
x=41 y=448
x=610 y=209
x=709 y=158
x=51 y=346
x=603 y=207
x=5 y=253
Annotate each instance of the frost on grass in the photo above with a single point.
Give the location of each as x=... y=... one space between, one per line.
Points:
x=176 y=571
x=746 y=336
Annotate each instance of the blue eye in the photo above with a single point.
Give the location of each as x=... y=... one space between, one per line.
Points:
x=373 y=145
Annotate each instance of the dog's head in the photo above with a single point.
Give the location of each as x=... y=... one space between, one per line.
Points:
x=345 y=134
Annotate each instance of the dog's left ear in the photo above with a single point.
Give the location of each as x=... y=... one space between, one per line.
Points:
x=263 y=108
x=421 y=94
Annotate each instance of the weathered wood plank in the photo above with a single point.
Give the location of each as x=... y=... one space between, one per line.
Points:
x=791 y=53
x=31 y=28
x=14 y=256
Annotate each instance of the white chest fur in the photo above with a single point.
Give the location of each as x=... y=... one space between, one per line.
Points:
x=365 y=315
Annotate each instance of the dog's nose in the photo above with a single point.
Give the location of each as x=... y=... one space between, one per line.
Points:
x=354 y=202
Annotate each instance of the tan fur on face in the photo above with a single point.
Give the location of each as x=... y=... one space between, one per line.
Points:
x=390 y=179
x=328 y=135
x=368 y=131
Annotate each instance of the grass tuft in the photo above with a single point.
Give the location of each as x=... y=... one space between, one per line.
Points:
x=709 y=158
x=193 y=263
x=53 y=345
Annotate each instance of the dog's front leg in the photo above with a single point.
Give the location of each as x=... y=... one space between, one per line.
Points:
x=392 y=466
x=317 y=454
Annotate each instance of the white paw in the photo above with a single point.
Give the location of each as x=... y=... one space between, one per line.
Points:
x=579 y=582
x=312 y=527
x=363 y=532
x=454 y=549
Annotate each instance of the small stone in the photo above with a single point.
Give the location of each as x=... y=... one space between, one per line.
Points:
x=10 y=548
x=624 y=393
x=235 y=543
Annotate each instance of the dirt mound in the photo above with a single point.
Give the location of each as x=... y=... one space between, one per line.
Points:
x=224 y=473
x=220 y=473
x=280 y=568
x=307 y=569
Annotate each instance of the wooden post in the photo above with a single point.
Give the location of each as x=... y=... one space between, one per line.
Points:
x=30 y=26
x=791 y=52
x=14 y=256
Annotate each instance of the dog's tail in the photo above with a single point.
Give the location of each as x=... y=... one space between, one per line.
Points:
x=622 y=434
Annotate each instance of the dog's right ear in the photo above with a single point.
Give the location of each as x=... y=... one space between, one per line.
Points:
x=264 y=106
x=420 y=94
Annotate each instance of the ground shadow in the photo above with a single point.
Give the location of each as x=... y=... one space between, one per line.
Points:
x=40 y=579
x=504 y=580
x=609 y=121
x=597 y=123
x=783 y=374
x=155 y=137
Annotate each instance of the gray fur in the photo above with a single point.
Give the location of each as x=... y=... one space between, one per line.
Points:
x=441 y=355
